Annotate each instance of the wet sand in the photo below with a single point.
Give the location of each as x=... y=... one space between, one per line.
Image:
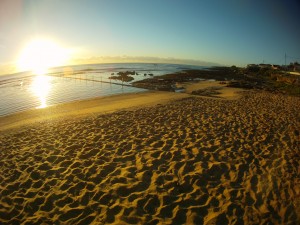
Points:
x=188 y=160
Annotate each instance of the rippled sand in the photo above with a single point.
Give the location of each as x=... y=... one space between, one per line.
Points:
x=191 y=161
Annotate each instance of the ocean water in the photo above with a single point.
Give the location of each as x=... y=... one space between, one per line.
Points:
x=24 y=91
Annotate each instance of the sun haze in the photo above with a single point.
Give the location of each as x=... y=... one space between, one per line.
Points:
x=41 y=54
x=233 y=32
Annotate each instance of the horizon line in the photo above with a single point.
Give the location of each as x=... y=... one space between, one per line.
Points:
x=10 y=68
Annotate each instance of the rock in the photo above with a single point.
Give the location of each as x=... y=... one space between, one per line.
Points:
x=122 y=78
x=127 y=73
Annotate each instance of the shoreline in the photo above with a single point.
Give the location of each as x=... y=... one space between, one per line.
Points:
x=61 y=85
x=108 y=104
x=101 y=105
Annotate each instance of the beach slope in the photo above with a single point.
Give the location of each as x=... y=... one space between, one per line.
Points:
x=184 y=160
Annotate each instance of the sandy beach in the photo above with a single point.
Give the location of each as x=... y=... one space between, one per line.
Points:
x=154 y=158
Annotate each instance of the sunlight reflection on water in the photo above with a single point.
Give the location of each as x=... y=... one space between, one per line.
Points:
x=21 y=92
x=41 y=87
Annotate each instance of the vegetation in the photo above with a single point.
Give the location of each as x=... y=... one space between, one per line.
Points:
x=274 y=80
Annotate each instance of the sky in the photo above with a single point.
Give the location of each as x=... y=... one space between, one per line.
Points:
x=203 y=32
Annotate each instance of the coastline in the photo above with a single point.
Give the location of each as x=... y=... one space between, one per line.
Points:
x=20 y=92
x=108 y=104
x=155 y=157
x=92 y=106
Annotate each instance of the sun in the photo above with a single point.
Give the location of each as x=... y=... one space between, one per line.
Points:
x=41 y=54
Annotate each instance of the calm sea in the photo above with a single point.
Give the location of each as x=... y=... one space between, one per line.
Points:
x=24 y=91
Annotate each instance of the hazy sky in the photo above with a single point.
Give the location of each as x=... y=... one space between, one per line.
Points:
x=222 y=31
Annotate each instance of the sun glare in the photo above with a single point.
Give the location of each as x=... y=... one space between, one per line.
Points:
x=41 y=86
x=41 y=54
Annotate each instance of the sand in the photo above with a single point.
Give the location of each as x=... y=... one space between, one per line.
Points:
x=183 y=160
x=223 y=92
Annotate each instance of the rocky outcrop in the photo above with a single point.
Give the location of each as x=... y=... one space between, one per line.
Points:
x=123 y=76
x=126 y=73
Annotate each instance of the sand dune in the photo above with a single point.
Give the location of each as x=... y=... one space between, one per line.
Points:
x=190 y=161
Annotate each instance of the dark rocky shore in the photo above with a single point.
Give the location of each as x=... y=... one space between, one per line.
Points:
x=274 y=81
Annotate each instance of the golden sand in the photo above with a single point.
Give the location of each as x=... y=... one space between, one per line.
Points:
x=190 y=160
